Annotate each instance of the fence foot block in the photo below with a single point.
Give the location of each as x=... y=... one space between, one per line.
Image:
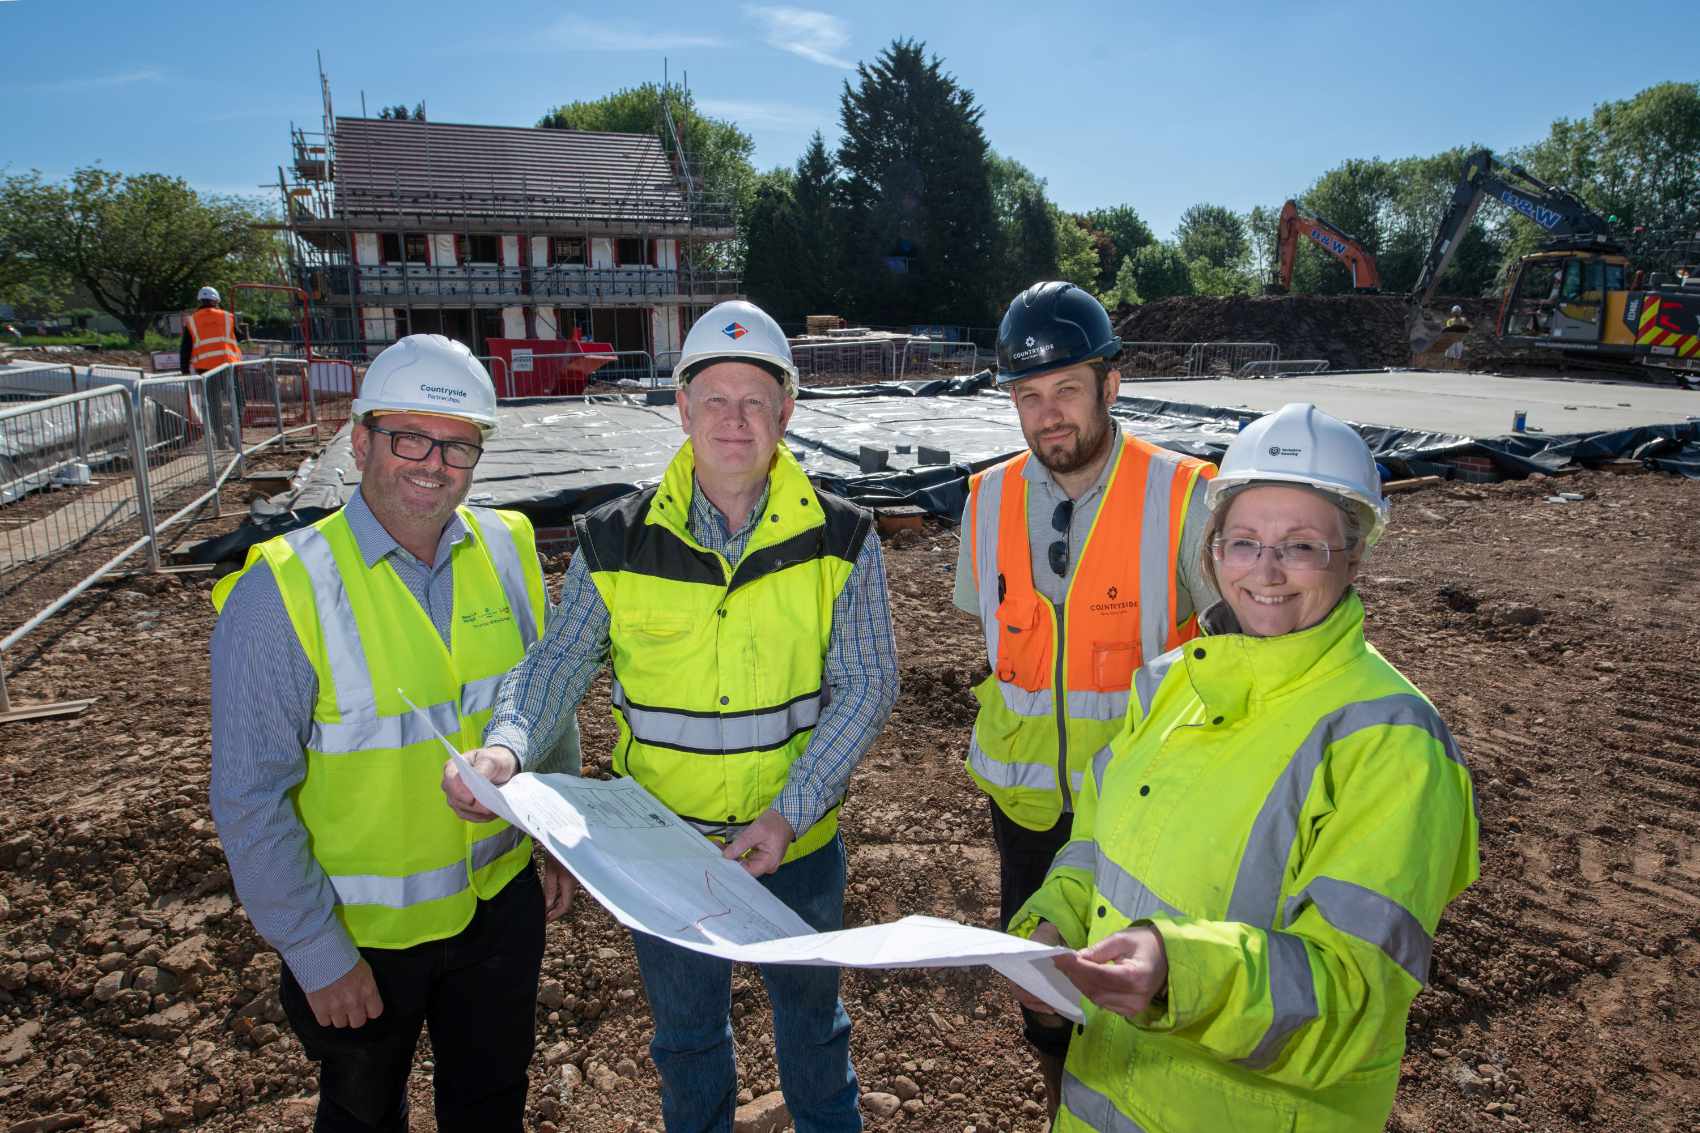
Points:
x=42 y=711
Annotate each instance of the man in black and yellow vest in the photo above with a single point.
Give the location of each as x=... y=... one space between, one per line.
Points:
x=746 y=618
x=342 y=650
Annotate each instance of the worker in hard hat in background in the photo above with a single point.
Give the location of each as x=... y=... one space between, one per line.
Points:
x=209 y=341
x=1081 y=559
x=745 y=615
x=390 y=912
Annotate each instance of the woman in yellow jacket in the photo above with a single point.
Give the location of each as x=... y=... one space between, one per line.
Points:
x=1262 y=854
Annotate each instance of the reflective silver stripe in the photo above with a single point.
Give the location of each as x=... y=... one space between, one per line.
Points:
x=479 y=695
x=1101 y=766
x=1149 y=676
x=985 y=560
x=1257 y=888
x=1025 y=703
x=1126 y=893
x=350 y=677
x=387 y=732
x=1097 y=705
x=1031 y=776
x=1079 y=854
x=1372 y=917
x=504 y=556
x=1292 y=995
x=1077 y=782
x=716 y=734
x=429 y=885
x=1156 y=563
x=1094 y=1109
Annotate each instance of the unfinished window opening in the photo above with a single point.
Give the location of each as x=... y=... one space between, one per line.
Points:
x=568 y=250
x=416 y=248
x=631 y=253
x=483 y=249
x=389 y=247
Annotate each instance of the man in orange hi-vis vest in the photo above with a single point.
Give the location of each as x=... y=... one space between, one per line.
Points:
x=209 y=341
x=1082 y=558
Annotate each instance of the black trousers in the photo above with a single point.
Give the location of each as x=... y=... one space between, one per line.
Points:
x=477 y=992
x=1024 y=857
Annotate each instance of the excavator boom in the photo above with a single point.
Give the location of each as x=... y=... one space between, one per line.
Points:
x=1347 y=249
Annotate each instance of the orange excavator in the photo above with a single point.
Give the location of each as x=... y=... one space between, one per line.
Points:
x=1366 y=280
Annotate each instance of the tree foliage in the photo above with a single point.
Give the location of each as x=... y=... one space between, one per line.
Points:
x=794 y=237
x=137 y=245
x=1116 y=233
x=920 y=229
x=718 y=152
x=1212 y=233
x=400 y=113
x=1160 y=272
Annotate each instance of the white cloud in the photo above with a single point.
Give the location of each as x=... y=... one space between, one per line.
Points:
x=594 y=35
x=116 y=79
x=776 y=114
x=818 y=37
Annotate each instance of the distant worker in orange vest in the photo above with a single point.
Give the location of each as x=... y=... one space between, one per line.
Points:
x=209 y=341
x=1083 y=558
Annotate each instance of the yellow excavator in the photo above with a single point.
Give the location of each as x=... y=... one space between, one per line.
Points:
x=1577 y=295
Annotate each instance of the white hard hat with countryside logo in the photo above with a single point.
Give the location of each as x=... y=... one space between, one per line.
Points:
x=1300 y=444
x=428 y=373
x=737 y=331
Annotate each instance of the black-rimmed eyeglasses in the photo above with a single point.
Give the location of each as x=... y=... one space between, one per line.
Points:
x=1058 y=551
x=418 y=446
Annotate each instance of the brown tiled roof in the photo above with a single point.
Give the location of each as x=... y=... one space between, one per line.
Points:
x=385 y=167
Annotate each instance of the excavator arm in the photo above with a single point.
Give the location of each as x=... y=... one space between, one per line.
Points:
x=1566 y=218
x=1347 y=249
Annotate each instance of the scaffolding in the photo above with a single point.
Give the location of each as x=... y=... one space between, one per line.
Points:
x=639 y=187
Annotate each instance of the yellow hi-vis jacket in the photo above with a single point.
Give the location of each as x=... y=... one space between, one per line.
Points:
x=405 y=869
x=1058 y=687
x=718 y=670
x=1292 y=816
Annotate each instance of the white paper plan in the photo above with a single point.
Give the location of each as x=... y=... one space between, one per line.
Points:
x=656 y=874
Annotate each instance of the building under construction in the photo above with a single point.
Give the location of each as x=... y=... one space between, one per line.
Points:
x=399 y=227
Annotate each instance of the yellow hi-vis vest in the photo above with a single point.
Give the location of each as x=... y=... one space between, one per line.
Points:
x=718 y=670
x=1058 y=687
x=1292 y=816
x=405 y=869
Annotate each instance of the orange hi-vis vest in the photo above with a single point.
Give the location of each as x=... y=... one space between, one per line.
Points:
x=212 y=339
x=1058 y=687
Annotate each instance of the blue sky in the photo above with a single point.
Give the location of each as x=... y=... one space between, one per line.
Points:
x=1152 y=103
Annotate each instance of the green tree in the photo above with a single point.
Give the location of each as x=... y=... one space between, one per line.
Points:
x=1211 y=233
x=820 y=221
x=717 y=152
x=1117 y=233
x=25 y=281
x=775 y=242
x=138 y=245
x=920 y=229
x=1126 y=287
x=1261 y=238
x=1077 y=255
x=1026 y=250
x=1160 y=272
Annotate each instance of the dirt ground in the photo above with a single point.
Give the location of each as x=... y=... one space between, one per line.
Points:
x=1557 y=638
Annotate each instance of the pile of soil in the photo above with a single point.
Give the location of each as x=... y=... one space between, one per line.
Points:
x=1565 y=991
x=1352 y=332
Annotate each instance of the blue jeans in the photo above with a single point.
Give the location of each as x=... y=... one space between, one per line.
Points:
x=690 y=998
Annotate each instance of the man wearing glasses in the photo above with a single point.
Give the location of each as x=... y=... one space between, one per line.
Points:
x=390 y=911
x=1082 y=557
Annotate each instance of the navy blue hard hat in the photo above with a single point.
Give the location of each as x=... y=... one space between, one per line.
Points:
x=1052 y=326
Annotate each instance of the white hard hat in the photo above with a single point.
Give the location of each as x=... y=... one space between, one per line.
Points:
x=1300 y=444
x=427 y=373
x=732 y=331
x=205 y=294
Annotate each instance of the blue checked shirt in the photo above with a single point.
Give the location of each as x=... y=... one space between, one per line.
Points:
x=263 y=689
x=538 y=699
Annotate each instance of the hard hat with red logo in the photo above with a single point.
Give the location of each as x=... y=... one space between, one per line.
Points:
x=737 y=331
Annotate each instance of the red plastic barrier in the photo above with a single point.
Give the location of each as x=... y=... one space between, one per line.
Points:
x=546 y=367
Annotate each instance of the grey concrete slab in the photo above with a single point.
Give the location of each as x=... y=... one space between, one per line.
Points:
x=1471 y=404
